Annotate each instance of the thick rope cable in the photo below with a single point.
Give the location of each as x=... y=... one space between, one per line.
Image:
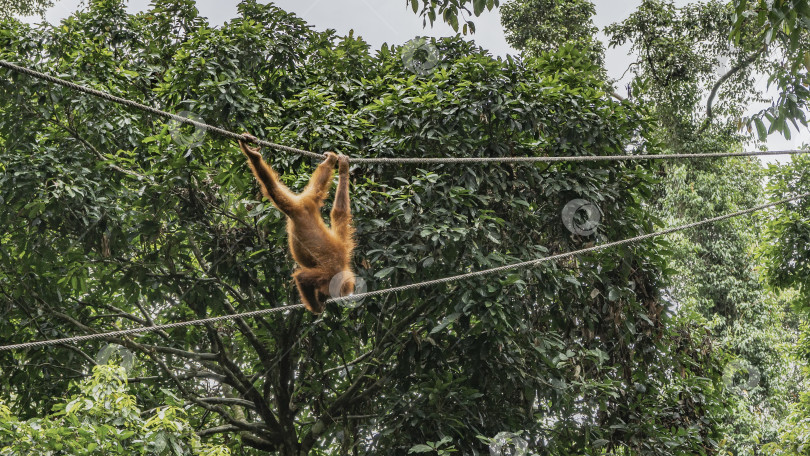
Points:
x=380 y=160
x=573 y=158
x=143 y=329
x=561 y=256
x=412 y=286
x=157 y=112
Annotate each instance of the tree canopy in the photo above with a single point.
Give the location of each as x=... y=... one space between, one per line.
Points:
x=102 y=418
x=118 y=219
x=696 y=67
x=114 y=218
x=10 y=8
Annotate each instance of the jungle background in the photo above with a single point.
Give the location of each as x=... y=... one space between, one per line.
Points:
x=695 y=343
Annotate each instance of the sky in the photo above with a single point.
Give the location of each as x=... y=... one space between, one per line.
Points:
x=392 y=22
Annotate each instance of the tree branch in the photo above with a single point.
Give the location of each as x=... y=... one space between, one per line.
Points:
x=261 y=350
x=241 y=382
x=739 y=66
x=229 y=401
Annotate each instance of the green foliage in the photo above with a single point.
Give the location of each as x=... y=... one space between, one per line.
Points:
x=785 y=255
x=434 y=447
x=452 y=11
x=115 y=219
x=102 y=419
x=712 y=49
x=787 y=252
x=684 y=52
x=719 y=284
x=537 y=26
x=10 y=8
x=779 y=28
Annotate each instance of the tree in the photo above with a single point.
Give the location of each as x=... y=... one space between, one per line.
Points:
x=778 y=35
x=537 y=26
x=785 y=256
x=23 y=7
x=742 y=37
x=681 y=52
x=684 y=57
x=116 y=219
x=102 y=418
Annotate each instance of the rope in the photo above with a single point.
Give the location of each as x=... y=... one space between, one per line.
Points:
x=157 y=112
x=144 y=329
x=561 y=256
x=412 y=286
x=378 y=160
x=573 y=158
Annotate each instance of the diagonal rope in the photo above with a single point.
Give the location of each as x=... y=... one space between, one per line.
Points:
x=561 y=256
x=149 y=109
x=379 y=160
x=360 y=296
x=144 y=329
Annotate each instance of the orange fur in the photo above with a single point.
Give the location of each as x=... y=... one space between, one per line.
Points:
x=322 y=252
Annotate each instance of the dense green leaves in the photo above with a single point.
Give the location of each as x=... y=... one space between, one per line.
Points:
x=685 y=58
x=102 y=418
x=536 y=26
x=785 y=255
x=788 y=252
x=116 y=219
